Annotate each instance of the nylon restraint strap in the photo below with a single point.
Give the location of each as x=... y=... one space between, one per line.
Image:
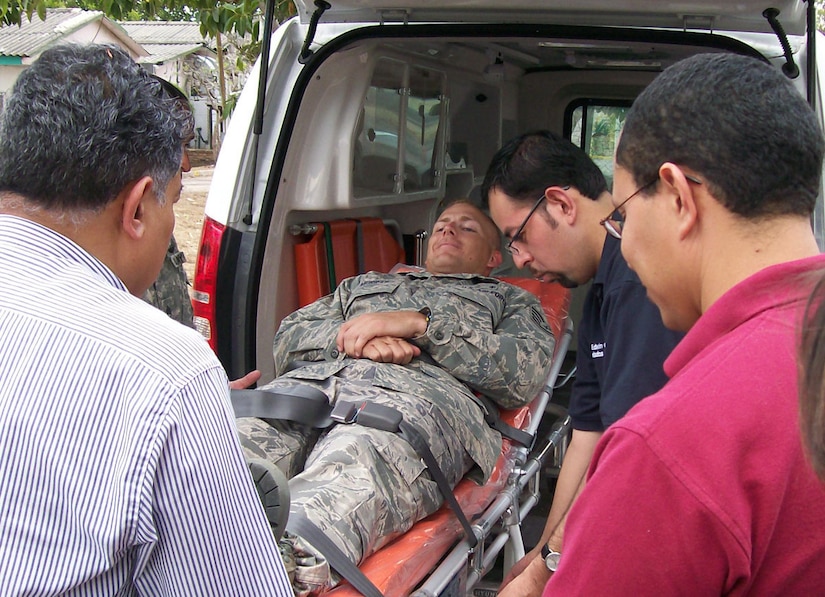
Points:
x=359 y=245
x=409 y=433
x=304 y=528
x=333 y=284
x=310 y=406
x=300 y=403
x=378 y=416
x=492 y=417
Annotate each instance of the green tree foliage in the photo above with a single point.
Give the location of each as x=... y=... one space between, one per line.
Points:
x=240 y=16
x=820 y=15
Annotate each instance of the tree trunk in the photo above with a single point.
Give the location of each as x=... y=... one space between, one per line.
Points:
x=218 y=136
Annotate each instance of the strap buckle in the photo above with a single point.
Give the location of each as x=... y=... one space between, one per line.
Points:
x=368 y=414
x=345 y=412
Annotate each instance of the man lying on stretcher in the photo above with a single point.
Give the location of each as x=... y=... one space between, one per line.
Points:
x=422 y=343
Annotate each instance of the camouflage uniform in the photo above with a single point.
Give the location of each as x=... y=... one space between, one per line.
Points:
x=363 y=486
x=170 y=292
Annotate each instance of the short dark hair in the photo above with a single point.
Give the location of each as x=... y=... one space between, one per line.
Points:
x=526 y=165
x=84 y=121
x=736 y=121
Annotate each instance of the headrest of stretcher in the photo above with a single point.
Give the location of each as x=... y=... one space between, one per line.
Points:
x=340 y=249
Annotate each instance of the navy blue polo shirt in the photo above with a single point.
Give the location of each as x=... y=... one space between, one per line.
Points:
x=622 y=345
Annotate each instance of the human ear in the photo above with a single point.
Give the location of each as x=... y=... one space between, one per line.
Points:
x=562 y=203
x=680 y=196
x=133 y=211
x=495 y=259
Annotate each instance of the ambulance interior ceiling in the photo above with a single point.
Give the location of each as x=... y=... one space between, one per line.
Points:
x=525 y=55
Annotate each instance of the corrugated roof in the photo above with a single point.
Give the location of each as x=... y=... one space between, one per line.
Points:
x=31 y=37
x=163 y=32
x=166 y=52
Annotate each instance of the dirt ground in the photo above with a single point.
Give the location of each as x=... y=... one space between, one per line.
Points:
x=189 y=213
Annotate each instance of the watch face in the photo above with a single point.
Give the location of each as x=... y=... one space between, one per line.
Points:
x=552 y=560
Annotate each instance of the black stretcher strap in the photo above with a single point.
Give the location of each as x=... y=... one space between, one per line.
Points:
x=508 y=431
x=359 y=245
x=317 y=413
x=378 y=416
x=492 y=417
x=300 y=403
x=338 y=561
x=330 y=250
x=309 y=406
x=409 y=433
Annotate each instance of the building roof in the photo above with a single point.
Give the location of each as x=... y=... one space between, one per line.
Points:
x=164 y=32
x=167 y=40
x=159 y=53
x=30 y=38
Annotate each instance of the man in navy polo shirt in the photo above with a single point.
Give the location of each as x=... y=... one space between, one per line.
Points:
x=549 y=198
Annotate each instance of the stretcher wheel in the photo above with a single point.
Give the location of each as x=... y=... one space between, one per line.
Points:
x=273 y=491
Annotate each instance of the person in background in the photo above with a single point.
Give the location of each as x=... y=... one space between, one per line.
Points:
x=120 y=468
x=704 y=487
x=547 y=195
x=170 y=292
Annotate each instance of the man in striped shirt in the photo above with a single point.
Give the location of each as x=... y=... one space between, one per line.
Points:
x=120 y=471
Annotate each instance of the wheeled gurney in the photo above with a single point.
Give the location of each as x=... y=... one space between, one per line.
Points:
x=434 y=557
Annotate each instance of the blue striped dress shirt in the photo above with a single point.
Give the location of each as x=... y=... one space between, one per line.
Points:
x=120 y=469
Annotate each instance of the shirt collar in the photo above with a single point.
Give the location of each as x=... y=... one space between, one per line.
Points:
x=36 y=239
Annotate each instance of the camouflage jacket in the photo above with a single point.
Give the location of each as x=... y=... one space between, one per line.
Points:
x=484 y=335
x=170 y=292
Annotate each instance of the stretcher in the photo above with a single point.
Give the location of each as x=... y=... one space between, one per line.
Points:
x=435 y=558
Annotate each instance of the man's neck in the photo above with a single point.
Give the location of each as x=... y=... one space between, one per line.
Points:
x=750 y=248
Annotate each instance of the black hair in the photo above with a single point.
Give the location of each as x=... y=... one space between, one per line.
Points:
x=526 y=165
x=736 y=121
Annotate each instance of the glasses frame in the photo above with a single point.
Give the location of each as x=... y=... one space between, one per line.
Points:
x=520 y=230
x=614 y=222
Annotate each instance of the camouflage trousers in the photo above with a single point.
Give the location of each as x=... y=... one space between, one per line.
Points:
x=361 y=486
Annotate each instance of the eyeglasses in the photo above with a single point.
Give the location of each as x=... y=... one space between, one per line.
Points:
x=520 y=230
x=614 y=222
x=516 y=238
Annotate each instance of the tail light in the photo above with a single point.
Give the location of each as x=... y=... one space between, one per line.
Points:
x=206 y=280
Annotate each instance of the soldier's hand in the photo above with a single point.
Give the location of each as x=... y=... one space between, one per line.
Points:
x=355 y=333
x=388 y=349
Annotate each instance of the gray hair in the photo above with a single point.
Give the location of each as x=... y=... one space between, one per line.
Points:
x=83 y=122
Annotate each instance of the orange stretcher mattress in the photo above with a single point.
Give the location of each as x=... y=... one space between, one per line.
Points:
x=400 y=566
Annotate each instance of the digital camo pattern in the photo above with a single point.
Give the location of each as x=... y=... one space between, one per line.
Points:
x=364 y=486
x=170 y=292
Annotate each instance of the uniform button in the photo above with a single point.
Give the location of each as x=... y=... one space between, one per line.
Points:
x=439 y=335
x=334 y=353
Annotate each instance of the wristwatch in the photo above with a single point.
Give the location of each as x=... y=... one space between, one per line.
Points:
x=551 y=558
